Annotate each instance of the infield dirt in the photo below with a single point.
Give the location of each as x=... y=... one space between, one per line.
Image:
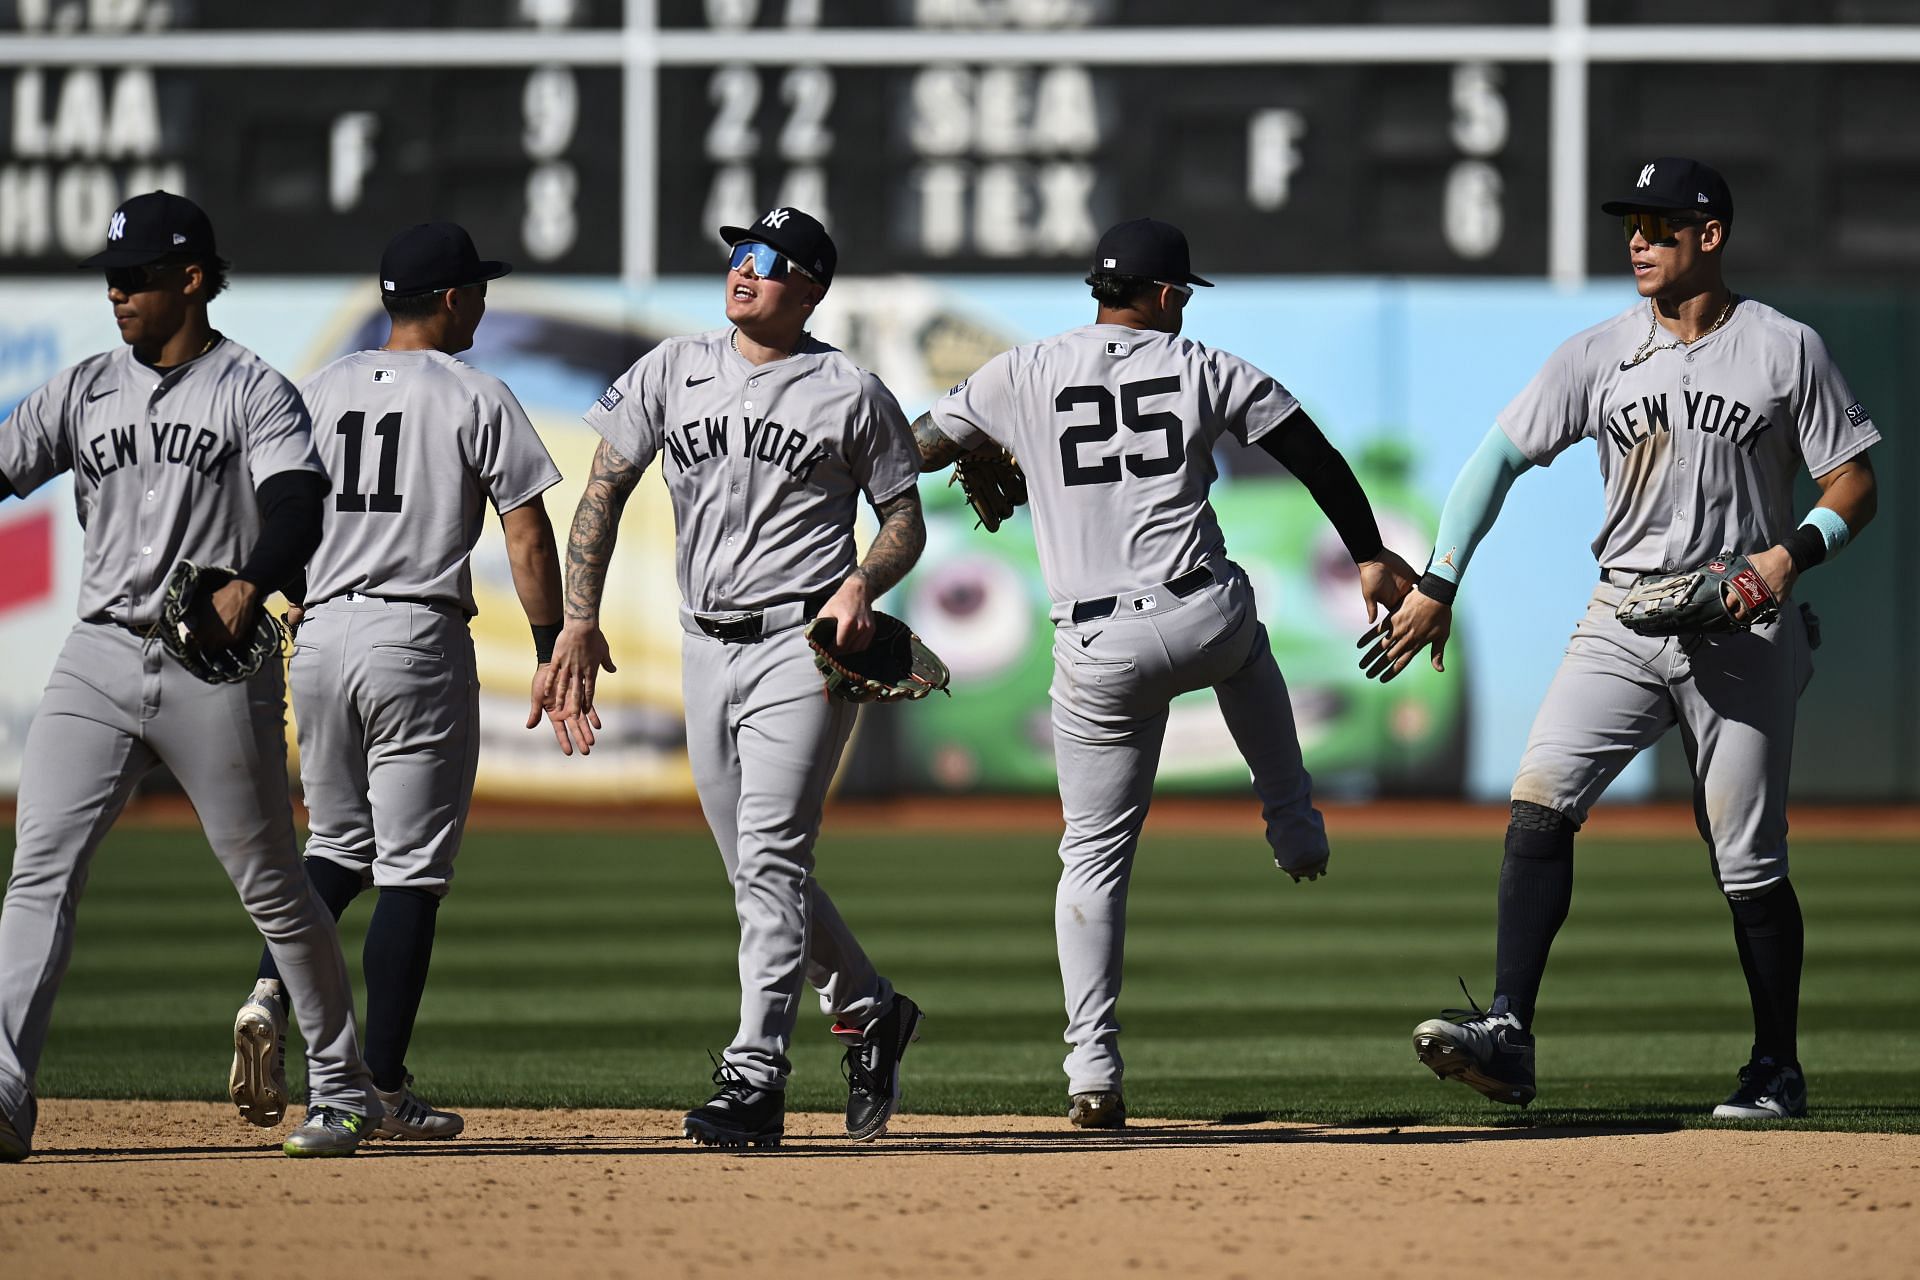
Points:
x=184 y=1189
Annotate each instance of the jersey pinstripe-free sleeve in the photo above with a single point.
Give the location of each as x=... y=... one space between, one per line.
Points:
x=1834 y=426
x=631 y=414
x=279 y=430
x=885 y=461
x=1550 y=413
x=507 y=453
x=35 y=445
x=1248 y=401
x=967 y=414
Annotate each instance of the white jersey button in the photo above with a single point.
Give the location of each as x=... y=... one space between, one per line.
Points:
x=149 y=495
x=146 y=551
x=748 y=403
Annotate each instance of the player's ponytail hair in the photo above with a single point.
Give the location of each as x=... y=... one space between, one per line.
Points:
x=1117 y=292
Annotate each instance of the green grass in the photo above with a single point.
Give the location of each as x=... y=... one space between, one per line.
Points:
x=590 y=969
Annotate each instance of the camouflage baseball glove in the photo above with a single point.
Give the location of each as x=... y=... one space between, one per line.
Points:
x=189 y=597
x=993 y=483
x=1695 y=602
x=896 y=665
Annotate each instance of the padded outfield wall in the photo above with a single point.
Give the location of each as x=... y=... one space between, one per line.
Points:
x=1404 y=375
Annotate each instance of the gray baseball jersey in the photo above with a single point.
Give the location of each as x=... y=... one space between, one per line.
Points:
x=1698 y=448
x=764 y=463
x=164 y=465
x=1115 y=429
x=1116 y=426
x=417 y=444
x=1698 y=444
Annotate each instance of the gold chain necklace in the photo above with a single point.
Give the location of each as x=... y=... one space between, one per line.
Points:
x=1648 y=350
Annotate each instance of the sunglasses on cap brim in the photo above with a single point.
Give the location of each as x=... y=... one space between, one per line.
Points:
x=1658 y=228
x=768 y=262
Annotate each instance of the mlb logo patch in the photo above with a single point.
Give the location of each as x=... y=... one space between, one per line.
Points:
x=1119 y=348
x=1857 y=413
x=611 y=398
x=1143 y=603
x=384 y=375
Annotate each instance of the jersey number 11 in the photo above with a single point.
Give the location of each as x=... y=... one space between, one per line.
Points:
x=383 y=498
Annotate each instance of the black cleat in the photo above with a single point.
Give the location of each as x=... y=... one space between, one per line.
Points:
x=1768 y=1090
x=1486 y=1050
x=872 y=1067
x=739 y=1115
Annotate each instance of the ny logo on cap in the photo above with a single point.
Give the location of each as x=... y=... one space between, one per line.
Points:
x=1646 y=176
x=777 y=218
x=117 y=226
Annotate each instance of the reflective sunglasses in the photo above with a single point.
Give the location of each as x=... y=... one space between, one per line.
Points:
x=132 y=280
x=1184 y=290
x=1657 y=228
x=768 y=262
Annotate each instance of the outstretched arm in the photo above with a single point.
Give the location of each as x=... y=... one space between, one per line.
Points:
x=1425 y=617
x=902 y=537
x=535 y=562
x=581 y=652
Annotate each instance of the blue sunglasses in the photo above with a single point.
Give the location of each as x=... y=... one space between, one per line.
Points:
x=768 y=262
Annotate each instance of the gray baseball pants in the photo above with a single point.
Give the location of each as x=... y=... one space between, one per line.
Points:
x=388 y=705
x=1113 y=679
x=116 y=705
x=1734 y=698
x=764 y=742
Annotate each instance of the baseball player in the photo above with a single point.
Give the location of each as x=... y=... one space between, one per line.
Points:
x=183 y=445
x=1114 y=424
x=384 y=687
x=1702 y=405
x=767 y=437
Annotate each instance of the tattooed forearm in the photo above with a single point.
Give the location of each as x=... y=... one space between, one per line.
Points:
x=937 y=448
x=596 y=524
x=902 y=537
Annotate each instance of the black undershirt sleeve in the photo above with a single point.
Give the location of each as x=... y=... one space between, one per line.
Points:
x=6 y=487
x=1298 y=445
x=289 y=528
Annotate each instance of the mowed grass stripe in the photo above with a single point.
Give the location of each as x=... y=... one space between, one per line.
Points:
x=594 y=968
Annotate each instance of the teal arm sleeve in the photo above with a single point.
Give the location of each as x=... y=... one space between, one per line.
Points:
x=1474 y=502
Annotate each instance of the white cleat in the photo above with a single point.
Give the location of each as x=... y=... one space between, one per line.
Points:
x=258 y=1082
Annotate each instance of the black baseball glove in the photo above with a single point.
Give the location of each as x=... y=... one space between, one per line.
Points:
x=189 y=600
x=896 y=665
x=993 y=483
x=1696 y=601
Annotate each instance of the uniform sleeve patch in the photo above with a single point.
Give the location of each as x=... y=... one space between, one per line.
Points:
x=957 y=387
x=611 y=398
x=1856 y=413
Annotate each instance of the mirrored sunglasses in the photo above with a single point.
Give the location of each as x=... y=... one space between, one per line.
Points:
x=1657 y=228
x=768 y=262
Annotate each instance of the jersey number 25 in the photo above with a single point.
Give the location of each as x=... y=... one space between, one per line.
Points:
x=1107 y=470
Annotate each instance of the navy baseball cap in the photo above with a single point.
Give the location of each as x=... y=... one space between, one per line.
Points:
x=1148 y=248
x=153 y=226
x=798 y=235
x=431 y=256
x=1672 y=183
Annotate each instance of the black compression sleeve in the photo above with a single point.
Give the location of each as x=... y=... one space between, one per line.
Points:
x=1298 y=445
x=289 y=527
x=6 y=487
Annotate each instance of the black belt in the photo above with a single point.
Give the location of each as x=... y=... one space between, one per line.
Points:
x=1183 y=586
x=746 y=628
x=361 y=595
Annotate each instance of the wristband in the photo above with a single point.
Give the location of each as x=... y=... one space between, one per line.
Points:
x=1832 y=526
x=1805 y=546
x=1436 y=587
x=544 y=634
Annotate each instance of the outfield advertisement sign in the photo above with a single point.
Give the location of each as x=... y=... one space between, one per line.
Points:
x=1404 y=376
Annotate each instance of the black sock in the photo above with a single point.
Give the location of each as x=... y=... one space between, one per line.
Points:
x=1536 y=888
x=1772 y=939
x=337 y=886
x=398 y=951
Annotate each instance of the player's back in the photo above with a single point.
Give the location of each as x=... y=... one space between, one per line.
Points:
x=415 y=442
x=1115 y=429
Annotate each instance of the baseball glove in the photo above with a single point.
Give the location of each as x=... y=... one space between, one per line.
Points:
x=993 y=483
x=1695 y=602
x=896 y=665
x=190 y=591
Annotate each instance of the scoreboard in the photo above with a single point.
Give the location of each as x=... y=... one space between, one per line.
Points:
x=610 y=137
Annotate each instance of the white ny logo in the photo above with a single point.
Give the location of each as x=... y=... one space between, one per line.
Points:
x=117 y=227
x=777 y=218
x=1646 y=176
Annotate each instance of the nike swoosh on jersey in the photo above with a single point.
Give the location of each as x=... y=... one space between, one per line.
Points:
x=98 y=395
x=694 y=382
